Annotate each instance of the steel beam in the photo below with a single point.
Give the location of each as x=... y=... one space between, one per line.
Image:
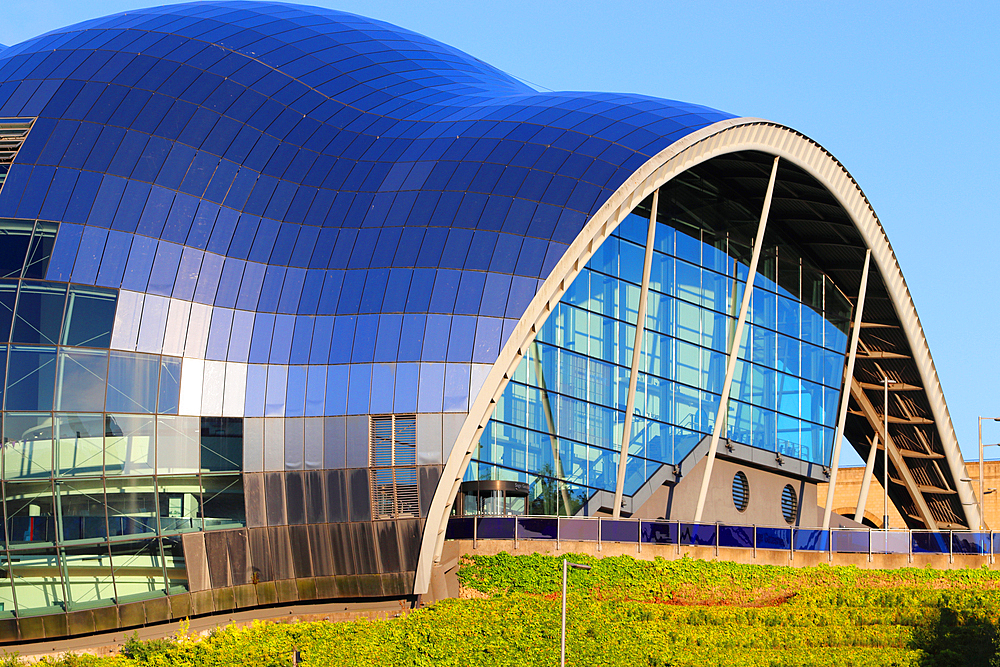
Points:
x=722 y=413
x=845 y=394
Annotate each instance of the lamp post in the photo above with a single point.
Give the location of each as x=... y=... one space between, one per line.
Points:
x=885 y=459
x=562 y=643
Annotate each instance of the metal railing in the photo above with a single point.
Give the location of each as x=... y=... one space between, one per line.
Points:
x=681 y=533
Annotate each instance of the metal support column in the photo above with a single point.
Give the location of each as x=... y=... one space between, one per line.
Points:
x=723 y=412
x=866 y=482
x=845 y=391
x=640 y=327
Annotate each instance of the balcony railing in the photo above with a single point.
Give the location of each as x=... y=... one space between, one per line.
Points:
x=790 y=539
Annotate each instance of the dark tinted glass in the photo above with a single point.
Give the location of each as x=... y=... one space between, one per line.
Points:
x=39 y=313
x=90 y=316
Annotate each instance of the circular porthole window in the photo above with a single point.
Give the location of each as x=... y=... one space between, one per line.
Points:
x=788 y=503
x=741 y=491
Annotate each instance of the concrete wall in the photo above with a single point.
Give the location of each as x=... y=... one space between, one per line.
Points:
x=679 y=501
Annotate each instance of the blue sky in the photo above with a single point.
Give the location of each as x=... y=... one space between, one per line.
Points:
x=903 y=94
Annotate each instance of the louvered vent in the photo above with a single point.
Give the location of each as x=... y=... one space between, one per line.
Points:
x=12 y=134
x=392 y=461
x=741 y=491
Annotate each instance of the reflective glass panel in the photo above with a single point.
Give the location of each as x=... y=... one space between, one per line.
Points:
x=90 y=316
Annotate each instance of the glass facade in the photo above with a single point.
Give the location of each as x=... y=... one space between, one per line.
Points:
x=559 y=424
x=250 y=248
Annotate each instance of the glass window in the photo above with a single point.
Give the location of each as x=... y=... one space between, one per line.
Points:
x=30 y=378
x=138 y=569
x=132 y=382
x=81 y=380
x=221 y=444
x=131 y=505
x=35 y=593
x=223 y=502
x=170 y=386
x=8 y=294
x=79 y=444
x=178 y=444
x=179 y=503
x=39 y=313
x=129 y=444
x=80 y=509
x=27 y=445
x=15 y=236
x=90 y=316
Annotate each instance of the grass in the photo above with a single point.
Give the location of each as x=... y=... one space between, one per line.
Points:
x=629 y=612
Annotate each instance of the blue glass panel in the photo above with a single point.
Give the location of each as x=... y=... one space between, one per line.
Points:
x=456 y=388
x=301 y=340
x=359 y=389
x=387 y=341
x=133 y=381
x=39 y=313
x=256 y=389
x=296 y=394
x=169 y=386
x=277 y=385
x=431 y=391
x=31 y=378
x=315 y=391
x=140 y=262
x=90 y=316
x=82 y=376
x=406 y=387
x=281 y=341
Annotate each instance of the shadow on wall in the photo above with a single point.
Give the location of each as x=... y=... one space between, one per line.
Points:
x=961 y=631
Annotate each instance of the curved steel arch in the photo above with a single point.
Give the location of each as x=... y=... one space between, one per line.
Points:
x=728 y=136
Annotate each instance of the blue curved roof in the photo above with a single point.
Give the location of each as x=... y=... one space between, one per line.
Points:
x=288 y=159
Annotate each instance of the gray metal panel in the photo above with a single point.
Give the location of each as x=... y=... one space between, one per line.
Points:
x=313 y=433
x=427 y=481
x=360 y=493
x=335 y=442
x=451 y=424
x=295 y=508
x=274 y=443
x=409 y=542
x=260 y=554
x=337 y=496
x=195 y=561
x=357 y=442
x=217 y=550
x=281 y=552
x=343 y=551
x=253 y=445
x=321 y=548
x=315 y=496
x=387 y=541
x=294 y=444
x=301 y=553
x=429 y=440
x=363 y=538
x=238 y=557
x=253 y=496
x=274 y=495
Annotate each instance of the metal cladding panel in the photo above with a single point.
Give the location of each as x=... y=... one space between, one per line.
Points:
x=332 y=190
x=301 y=551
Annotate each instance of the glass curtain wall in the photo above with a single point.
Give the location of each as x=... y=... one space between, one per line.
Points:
x=100 y=477
x=559 y=422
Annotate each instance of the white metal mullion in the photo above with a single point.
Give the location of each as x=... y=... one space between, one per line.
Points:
x=640 y=328
x=845 y=392
x=859 y=511
x=723 y=412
